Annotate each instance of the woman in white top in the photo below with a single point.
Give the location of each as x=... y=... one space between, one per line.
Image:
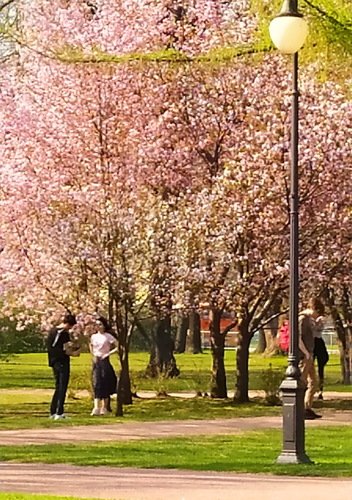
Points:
x=102 y=343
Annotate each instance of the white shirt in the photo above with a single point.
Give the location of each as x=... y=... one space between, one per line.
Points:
x=101 y=343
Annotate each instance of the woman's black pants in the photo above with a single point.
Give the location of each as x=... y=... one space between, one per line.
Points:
x=322 y=356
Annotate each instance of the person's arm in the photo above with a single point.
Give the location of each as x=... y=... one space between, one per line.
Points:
x=301 y=344
x=303 y=348
x=91 y=349
x=71 y=349
x=113 y=345
x=112 y=340
x=110 y=352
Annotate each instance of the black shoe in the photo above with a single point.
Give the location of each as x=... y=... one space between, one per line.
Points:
x=309 y=414
x=320 y=396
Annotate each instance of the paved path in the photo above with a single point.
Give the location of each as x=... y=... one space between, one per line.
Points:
x=123 y=431
x=157 y=484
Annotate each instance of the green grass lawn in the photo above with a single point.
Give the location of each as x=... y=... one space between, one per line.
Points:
x=330 y=449
x=30 y=380
x=31 y=370
x=26 y=406
x=32 y=410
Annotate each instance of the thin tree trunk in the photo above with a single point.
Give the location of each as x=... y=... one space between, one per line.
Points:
x=194 y=341
x=181 y=333
x=261 y=342
x=124 y=393
x=162 y=360
x=124 y=330
x=342 y=334
x=217 y=340
x=242 y=360
x=347 y=314
x=271 y=329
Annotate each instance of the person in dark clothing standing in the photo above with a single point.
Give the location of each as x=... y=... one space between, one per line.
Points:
x=320 y=352
x=59 y=361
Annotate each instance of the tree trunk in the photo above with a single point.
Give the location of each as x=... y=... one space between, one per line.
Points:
x=181 y=333
x=271 y=330
x=271 y=343
x=162 y=360
x=347 y=315
x=124 y=393
x=350 y=355
x=242 y=358
x=217 y=340
x=261 y=342
x=345 y=365
x=194 y=341
x=120 y=313
x=343 y=336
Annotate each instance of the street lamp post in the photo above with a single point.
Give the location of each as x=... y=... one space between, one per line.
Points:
x=288 y=32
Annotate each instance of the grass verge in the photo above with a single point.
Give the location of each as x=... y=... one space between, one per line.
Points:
x=330 y=449
x=28 y=411
x=32 y=371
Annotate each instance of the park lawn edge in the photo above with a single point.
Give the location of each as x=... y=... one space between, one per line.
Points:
x=330 y=448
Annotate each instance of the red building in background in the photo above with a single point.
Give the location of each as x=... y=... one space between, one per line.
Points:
x=231 y=339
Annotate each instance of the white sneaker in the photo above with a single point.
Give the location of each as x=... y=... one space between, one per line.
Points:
x=104 y=411
x=95 y=412
x=59 y=417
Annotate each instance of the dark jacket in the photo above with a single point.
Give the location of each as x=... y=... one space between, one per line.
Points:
x=55 y=345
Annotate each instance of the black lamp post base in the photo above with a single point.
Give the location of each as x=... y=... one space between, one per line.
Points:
x=293 y=449
x=293 y=458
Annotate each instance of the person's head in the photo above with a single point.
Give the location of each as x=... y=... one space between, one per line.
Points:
x=102 y=324
x=317 y=306
x=284 y=319
x=69 y=320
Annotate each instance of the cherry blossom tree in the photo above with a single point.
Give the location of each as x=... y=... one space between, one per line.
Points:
x=237 y=224
x=70 y=200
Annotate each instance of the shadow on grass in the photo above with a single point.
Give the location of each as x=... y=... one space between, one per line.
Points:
x=335 y=404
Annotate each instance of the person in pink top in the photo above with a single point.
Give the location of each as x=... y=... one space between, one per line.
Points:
x=101 y=345
x=284 y=337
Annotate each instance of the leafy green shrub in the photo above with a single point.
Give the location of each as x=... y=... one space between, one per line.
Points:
x=15 y=341
x=271 y=381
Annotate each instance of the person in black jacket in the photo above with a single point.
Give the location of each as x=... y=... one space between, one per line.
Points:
x=59 y=361
x=320 y=352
